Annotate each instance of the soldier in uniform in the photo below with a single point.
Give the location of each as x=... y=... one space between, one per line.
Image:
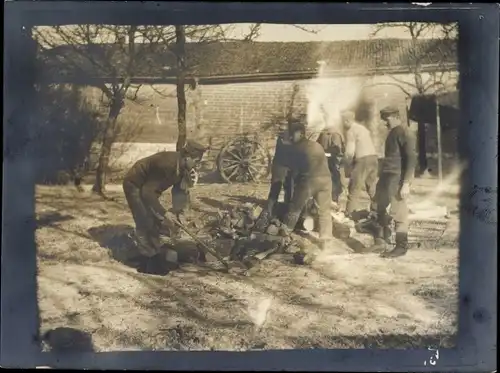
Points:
x=332 y=142
x=393 y=186
x=282 y=178
x=282 y=147
x=362 y=160
x=147 y=180
x=312 y=179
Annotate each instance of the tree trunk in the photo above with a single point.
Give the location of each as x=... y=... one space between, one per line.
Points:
x=107 y=143
x=180 y=42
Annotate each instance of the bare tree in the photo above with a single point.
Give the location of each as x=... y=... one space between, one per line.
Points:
x=180 y=44
x=417 y=54
x=89 y=61
x=113 y=68
x=197 y=34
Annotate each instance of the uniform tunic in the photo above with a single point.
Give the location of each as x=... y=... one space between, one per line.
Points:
x=398 y=167
x=400 y=156
x=312 y=178
x=146 y=181
x=282 y=177
x=333 y=144
x=364 y=172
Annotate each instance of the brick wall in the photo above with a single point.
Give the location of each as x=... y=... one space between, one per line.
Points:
x=226 y=110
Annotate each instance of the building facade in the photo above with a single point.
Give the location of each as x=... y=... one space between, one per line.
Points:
x=242 y=88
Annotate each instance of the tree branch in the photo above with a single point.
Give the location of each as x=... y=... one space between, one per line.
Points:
x=401 y=81
x=407 y=93
x=254 y=32
x=306 y=29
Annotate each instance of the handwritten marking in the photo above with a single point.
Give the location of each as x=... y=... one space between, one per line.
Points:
x=434 y=357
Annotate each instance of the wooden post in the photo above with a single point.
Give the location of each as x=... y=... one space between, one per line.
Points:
x=241 y=119
x=180 y=44
x=440 y=155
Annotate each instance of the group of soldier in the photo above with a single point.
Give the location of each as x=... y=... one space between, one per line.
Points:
x=307 y=170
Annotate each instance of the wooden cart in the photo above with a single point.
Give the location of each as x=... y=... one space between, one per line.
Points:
x=244 y=159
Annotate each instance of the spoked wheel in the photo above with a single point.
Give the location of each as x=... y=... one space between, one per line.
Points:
x=243 y=160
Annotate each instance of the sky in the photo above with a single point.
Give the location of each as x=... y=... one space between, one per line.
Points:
x=290 y=33
x=297 y=33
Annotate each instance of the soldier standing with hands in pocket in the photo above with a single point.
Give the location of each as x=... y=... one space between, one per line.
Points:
x=393 y=186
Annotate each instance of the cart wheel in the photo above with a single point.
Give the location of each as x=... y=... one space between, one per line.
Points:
x=243 y=160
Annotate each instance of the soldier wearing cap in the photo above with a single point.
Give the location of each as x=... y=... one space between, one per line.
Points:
x=144 y=183
x=393 y=186
x=312 y=179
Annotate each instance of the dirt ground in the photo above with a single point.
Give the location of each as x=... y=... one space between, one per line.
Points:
x=347 y=300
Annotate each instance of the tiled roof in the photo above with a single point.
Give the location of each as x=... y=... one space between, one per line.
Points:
x=239 y=58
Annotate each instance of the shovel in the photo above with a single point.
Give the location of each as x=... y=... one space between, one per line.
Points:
x=204 y=247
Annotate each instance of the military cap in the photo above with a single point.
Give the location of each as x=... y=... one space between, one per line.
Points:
x=296 y=125
x=388 y=111
x=194 y=147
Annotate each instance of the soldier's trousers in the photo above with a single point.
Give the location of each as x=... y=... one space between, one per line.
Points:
x=143 y=218
x=364 y=175
x=387 y=194
x=321 y=190
x=288 y=188
x=337 y=185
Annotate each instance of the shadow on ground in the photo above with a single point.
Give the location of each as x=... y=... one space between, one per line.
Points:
x=51 y=218
x=68 y=340
x=210 y=177
x=248 y=199
x=118 y=239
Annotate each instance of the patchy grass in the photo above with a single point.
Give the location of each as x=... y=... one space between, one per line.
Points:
x=346 y=301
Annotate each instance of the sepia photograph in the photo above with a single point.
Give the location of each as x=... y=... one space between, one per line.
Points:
x=247 y=186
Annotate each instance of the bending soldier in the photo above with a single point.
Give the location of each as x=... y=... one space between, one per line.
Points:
x=312 y=179
x=333 y=144
x=393 y=186
x=362 y=160
x=147 y=180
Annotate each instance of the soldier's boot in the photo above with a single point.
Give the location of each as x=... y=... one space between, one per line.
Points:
x=144 y=245
x=164 y=259
x=299 y=227
x=164 y=247
x=400 y=249
x=380 y=241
